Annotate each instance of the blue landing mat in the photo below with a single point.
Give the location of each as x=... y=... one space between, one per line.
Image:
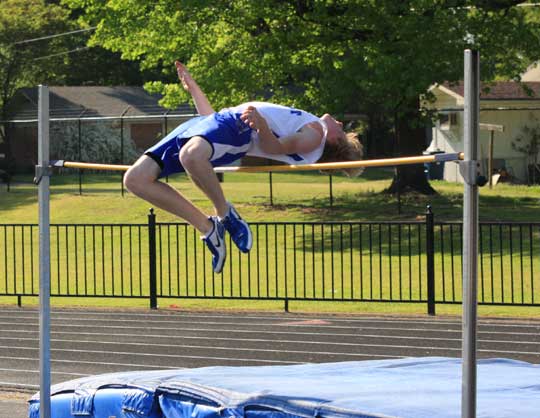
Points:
x=406 y=388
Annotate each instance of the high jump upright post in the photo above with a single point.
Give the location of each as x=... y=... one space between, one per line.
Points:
x=469 y=171
x=43 y=172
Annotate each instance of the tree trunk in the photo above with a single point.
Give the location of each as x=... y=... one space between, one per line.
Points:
x=410 y=178
x=410 y=141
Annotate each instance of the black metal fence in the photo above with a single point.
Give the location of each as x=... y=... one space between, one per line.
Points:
x=413 y=262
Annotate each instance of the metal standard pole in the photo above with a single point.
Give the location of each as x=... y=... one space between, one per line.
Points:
x=42 y=177
x=122 y=147
x=469 y=169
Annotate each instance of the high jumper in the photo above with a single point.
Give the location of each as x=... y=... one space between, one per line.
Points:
x=212 y=139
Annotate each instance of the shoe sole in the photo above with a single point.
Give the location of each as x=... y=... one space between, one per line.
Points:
x=220 y=267
x=218 y=271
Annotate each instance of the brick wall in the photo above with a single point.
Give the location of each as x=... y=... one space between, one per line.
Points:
x=24 y=147
x=144 y=135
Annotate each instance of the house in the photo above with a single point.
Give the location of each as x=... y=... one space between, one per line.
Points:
x=532 y=73
x=129 y=115
x=509 y=104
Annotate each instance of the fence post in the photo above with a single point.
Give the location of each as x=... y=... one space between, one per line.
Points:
x=271 y=189
x=152 y=258
x=122 y=146
x=79 y=145
x=430 y=254
x=331 y=190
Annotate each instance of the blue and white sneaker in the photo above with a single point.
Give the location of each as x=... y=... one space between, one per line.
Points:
x=238 y=229
x=215 y=241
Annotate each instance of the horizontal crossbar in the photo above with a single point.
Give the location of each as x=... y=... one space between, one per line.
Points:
x=303 y=167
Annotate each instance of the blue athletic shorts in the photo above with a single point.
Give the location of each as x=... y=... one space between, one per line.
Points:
x=225 y=132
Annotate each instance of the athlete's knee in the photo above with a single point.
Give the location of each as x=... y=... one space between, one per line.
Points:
x=138 y=177
x=132 y=180
x=195 y=151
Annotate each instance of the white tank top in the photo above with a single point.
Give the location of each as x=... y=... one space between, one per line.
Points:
x=283 y=121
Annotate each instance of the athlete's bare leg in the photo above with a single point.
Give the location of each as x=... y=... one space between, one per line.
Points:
x=195 y=158
x=141 y=180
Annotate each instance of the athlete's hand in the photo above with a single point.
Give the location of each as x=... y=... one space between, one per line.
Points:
x=185 y=77
x=253 y=118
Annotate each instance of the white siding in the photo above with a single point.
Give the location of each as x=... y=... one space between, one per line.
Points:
x=513 y=121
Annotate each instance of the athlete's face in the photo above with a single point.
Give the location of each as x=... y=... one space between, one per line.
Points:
x=335 y=128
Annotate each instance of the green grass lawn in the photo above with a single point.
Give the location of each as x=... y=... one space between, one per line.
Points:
x=296 y=197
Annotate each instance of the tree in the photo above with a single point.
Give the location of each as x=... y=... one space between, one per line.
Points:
x=20 y=66
x=357 y=56
x=528 y=143
x=97 y=66
x=31 y=53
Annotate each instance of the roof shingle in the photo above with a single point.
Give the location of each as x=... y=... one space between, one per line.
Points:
x=94 y=101
x=502 y=90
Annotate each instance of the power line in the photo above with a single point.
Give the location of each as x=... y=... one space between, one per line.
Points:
x=61 y=53
x=27 y=41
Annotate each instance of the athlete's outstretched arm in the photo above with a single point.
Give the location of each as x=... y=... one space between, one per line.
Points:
x=190 y=85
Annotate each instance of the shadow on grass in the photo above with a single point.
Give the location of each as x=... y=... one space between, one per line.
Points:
x=369 y=174
x=501 y=208
x=377 y=173
x=378 y=206
x=19 y=195
x=373 y=206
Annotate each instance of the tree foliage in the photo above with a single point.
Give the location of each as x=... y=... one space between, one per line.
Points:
x=320 y=54
x=527 y=142
x=362 y=56
x=39 y=44
x=20 y=21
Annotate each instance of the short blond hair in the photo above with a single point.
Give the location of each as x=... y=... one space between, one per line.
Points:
x=347 y=148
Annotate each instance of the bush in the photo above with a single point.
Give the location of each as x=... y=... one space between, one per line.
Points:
x=100 y=142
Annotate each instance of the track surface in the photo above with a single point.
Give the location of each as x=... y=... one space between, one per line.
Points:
x=99 y=341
